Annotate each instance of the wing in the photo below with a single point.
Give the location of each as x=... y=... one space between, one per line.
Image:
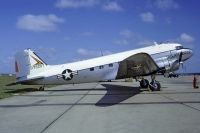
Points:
x=140 y=64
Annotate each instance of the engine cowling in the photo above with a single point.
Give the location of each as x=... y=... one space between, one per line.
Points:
x=175 y=66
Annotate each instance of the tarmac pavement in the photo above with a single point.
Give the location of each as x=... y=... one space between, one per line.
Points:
x=105 y=107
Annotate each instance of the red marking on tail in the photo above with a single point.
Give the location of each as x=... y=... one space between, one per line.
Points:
x=16 y=67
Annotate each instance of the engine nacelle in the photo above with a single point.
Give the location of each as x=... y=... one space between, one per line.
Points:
x=175 y=66
x=171 y=66
x=168 y=65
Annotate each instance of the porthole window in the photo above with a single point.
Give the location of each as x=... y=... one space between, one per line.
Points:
x=100 y=67
x=110 y=65
x=92 y=69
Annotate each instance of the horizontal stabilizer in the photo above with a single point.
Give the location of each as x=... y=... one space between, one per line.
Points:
x=26 y=81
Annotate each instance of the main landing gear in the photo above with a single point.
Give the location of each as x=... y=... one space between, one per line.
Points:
x=153 y=85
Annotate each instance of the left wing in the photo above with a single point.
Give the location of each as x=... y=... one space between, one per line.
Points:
x=140 y=64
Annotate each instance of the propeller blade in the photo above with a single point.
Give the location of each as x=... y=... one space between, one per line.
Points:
x=180 y=57
x=182 y=65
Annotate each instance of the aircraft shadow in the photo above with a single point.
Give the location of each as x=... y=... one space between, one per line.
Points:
x=76 y=90
x=116 y=94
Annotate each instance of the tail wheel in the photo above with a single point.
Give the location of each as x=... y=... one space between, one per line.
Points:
x=144 y=83
x=155 y=86
x=41 y=88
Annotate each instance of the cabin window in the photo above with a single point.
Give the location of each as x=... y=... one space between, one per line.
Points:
x=110 y=65
x=92 y=69
x=100 y=67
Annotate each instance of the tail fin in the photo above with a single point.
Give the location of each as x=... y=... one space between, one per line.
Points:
x=28 y=63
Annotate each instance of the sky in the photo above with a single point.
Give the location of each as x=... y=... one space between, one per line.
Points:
x=62 y=31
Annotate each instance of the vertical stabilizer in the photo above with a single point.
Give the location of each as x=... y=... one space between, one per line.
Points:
x=27 y=63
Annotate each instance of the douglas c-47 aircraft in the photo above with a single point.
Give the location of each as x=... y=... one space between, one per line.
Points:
x=159 y=58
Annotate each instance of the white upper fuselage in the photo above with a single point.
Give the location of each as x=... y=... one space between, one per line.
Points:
x=164 y=55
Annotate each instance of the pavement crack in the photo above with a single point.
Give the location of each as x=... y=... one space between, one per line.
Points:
x=67 y=110
x=182 y=103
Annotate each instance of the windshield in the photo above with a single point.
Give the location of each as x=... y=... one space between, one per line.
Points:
x=179 y=47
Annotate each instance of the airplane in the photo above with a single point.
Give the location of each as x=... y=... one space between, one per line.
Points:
x=148 y=61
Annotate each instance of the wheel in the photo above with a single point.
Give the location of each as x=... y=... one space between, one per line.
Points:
x=41 y=88
x=144 y=83
x=155 y=86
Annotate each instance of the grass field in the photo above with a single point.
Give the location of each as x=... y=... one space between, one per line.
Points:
x=7 y=91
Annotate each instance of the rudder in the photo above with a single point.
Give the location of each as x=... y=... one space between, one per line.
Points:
x=28 y=63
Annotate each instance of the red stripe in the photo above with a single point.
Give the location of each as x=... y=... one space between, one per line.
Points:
x=16 y=67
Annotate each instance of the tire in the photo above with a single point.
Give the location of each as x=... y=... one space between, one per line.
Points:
x=144 y=83
x=155 y=86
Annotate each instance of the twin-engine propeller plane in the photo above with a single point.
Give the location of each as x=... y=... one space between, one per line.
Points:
x=158 y=58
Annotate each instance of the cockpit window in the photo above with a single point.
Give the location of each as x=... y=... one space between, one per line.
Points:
x=179 y=47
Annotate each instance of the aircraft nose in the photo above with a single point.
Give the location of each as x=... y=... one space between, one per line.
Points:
x=190 y=53
x=187 y=53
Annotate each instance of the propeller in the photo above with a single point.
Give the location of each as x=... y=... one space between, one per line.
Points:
x=180 y=59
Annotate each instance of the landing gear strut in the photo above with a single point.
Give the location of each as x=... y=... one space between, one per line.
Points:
x=41 y=88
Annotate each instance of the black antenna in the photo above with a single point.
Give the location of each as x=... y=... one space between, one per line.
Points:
x=101 y=53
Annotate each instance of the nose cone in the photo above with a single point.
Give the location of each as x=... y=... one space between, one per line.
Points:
x=190 y=53
x=187 y=53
